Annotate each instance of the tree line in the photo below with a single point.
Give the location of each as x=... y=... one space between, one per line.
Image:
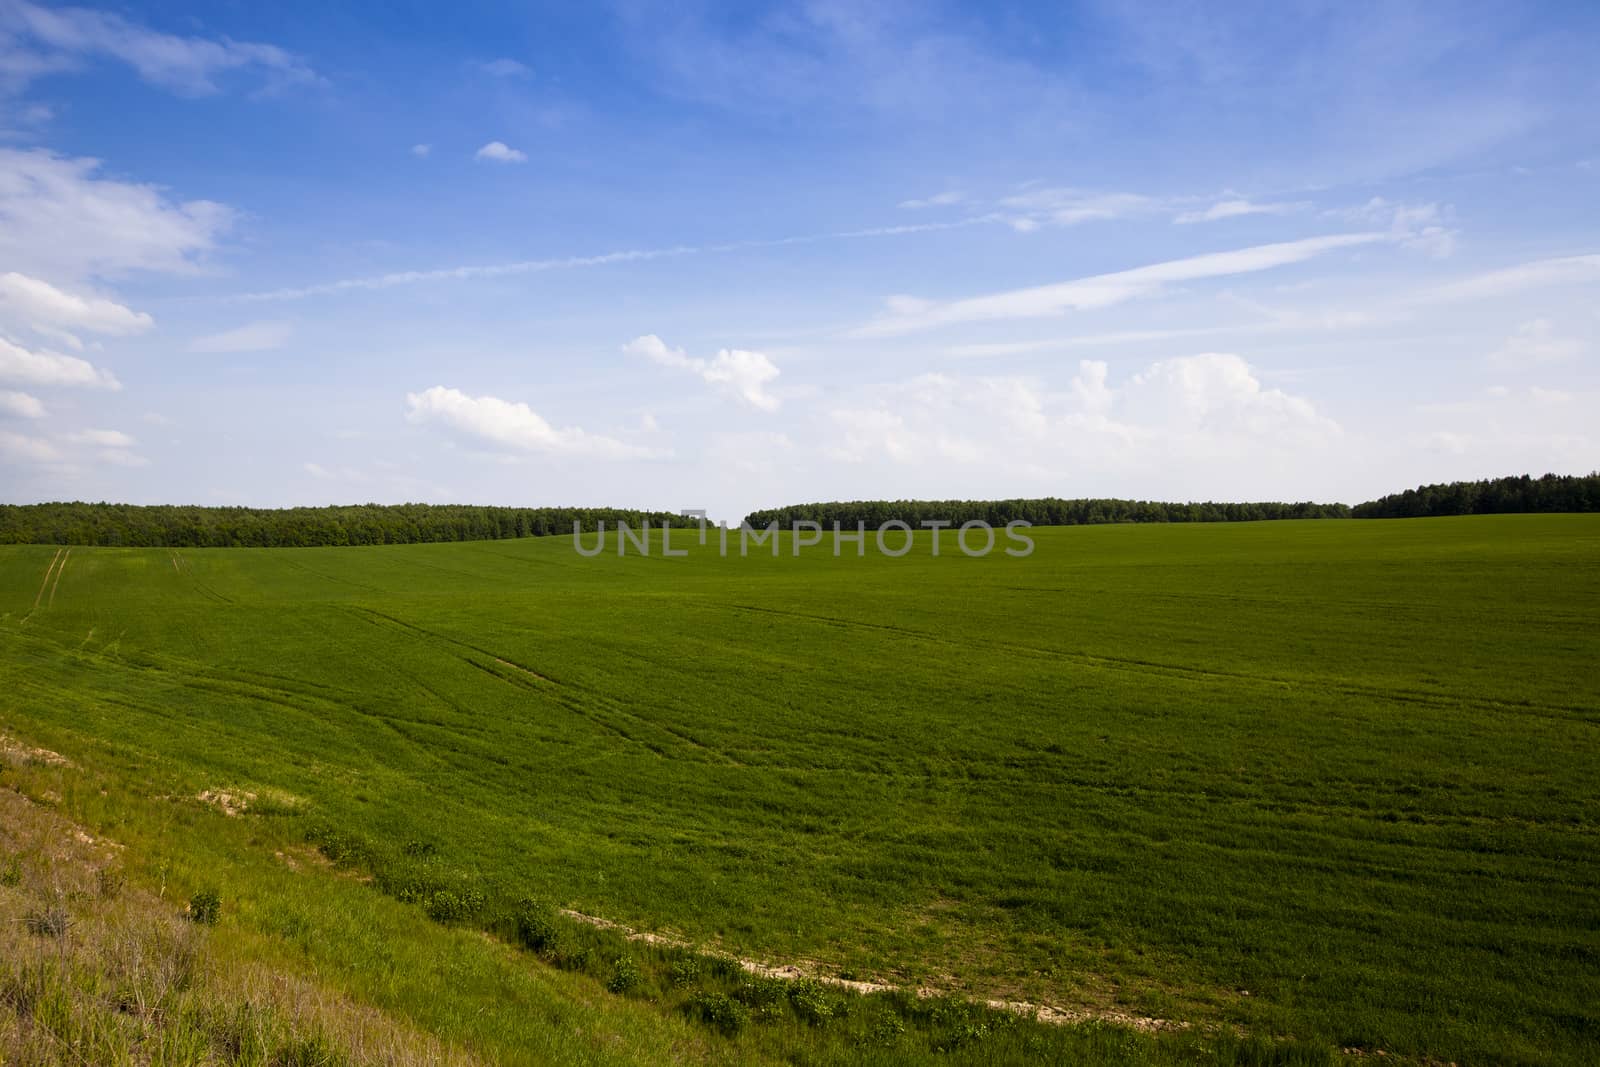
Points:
x=1491 y=496
x=165 y=526
x=1047 y=511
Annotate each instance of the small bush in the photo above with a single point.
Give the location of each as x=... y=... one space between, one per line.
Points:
x=887 y=1029
x=624 y=975
x=453 y=907
x=685 y=970
x=11 y=873
x=538 y=928
x=764 y=996
x=52 y=921
x=718 y=1011
x=205 y=907
x=810 y=1001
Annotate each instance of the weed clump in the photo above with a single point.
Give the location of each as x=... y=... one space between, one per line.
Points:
x=205 y=907
x=49 y=921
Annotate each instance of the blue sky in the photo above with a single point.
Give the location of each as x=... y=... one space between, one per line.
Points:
x=739 y=256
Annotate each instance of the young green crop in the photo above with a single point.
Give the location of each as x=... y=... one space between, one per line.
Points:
x=1329 y=780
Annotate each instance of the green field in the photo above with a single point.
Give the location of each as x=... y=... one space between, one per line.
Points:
x=1330 y=781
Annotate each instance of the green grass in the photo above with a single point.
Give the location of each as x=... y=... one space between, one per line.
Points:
x=1323 y=781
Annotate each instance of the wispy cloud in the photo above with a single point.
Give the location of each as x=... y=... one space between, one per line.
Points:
x=251 y=337
x=504 y=68
x=944 y=199
x=536 y=266
x=1563 y=270
x=61 y=220
x=909 y=314
x=45 y=40
x=1232 y=209
x=1536 y=343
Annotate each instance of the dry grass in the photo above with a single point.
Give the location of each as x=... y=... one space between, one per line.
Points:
x=93 y=971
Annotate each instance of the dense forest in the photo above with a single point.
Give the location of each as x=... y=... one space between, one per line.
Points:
x=1553 y=492
x=361 y=524
x=1048 y=511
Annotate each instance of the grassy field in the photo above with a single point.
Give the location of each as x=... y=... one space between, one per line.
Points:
x=1328 y=782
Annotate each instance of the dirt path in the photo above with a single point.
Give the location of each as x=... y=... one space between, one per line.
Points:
x=1044 y=1013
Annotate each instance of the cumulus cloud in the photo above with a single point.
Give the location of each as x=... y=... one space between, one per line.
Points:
x=26 y=300
x=61 y=221
x=421 y=150
x=510 y=426
x=251 y=337
x=737 y=371
x=500 y=152
x=908 y=314
x=41 y=40
x=1193 y=420
x=25 y=367
x=20 y=405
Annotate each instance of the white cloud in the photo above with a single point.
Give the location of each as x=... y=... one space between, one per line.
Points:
x=1201 y=422
x=251 y=337
x=505 y=68
x=908 y=314
x=743 y=373
x=102 y=438
x=44 y=40
x=119 y=457
x=500 y=152
x=20 y=448
x=20 y=405
x=18 y=364
x=421 y=150
x=1232 y=209
x=38 y=304
x=1536 y=343
x=944 y=199
x=510 y=426
x=60 y=221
